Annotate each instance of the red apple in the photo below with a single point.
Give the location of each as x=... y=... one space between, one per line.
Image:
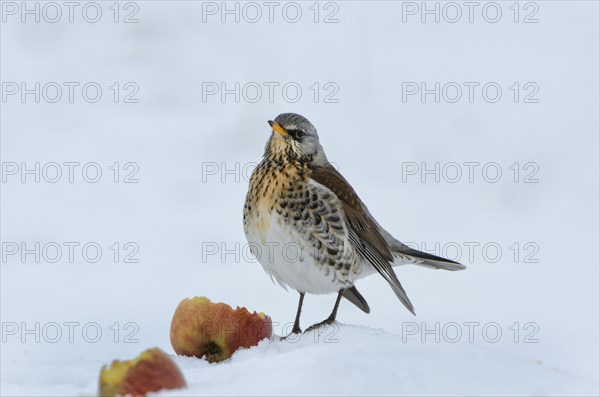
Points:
x=215 y=331
x=153 y=370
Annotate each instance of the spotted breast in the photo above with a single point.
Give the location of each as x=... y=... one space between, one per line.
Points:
x=296 y=231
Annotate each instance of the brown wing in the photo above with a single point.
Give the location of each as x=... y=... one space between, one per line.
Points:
x=363 y=232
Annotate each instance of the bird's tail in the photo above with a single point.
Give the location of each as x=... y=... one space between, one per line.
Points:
x=405 y=255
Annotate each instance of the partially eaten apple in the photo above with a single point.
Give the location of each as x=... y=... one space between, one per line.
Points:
x=153 y=370
x=201 y=328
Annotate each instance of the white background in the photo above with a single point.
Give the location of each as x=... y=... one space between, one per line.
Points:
x=178 y=137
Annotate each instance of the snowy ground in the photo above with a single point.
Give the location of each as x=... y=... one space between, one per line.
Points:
x=533 y=270
x=344 y=360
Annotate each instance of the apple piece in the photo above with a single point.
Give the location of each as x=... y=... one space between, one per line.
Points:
x=152 y=370
x=201 y=328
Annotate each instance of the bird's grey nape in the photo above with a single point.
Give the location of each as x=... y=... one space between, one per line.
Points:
x=308 y=146
x=294 y=120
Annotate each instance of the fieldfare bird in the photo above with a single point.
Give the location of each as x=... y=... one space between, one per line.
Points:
x=298 y=200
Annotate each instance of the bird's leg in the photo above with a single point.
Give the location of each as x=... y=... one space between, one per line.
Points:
x=331 y=319
x=296 y=329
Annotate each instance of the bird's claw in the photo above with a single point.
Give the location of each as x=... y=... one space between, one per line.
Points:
x=295 y=331
x=326 y=322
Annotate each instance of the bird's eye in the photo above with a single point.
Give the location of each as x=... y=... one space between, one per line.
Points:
x=296 y=134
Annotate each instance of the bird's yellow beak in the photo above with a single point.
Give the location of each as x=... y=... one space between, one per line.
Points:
x=277 y=128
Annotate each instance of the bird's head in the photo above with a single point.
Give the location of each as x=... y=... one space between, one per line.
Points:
x=294 y=139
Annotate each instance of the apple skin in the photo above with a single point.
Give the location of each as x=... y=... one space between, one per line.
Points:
x=201 y=328
x=152 y=370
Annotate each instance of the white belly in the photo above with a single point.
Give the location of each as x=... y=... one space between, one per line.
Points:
x=286 y=256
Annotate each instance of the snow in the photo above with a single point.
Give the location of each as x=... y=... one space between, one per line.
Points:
x=542 y=292
x=340 y=360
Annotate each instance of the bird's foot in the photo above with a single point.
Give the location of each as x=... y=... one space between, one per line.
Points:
x=295 y=331
x=324 y=323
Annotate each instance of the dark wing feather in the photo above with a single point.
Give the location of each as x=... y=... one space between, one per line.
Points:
x=355 y=297
x=363 y=232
